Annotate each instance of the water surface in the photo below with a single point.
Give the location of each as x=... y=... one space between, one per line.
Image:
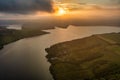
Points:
x=26 y=57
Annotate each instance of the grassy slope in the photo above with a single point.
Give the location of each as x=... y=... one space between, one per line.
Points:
x=93 y=58
x=8 y=36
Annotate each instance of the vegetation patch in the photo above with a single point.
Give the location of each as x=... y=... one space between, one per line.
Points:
x=92 y=58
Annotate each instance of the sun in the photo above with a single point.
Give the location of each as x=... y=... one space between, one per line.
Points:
x=61 y=11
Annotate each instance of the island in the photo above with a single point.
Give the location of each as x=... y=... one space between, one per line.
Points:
x=10 y=35
x=92 y=58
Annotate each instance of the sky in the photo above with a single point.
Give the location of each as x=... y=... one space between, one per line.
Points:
x=105 y=2
x=29 y=8
x=25 y=6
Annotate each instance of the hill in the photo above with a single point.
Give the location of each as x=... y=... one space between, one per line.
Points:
x=92 y=58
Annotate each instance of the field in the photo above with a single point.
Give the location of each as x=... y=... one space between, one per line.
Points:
x=9 y=35
x=92 y=58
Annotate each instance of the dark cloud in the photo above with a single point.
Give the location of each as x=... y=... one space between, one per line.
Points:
x=25 y=6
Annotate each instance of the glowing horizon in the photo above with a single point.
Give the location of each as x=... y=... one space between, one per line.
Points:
x=66 y=9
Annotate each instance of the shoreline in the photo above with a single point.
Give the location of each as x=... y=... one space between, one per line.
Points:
x=16 y=35
x=61 y=61
x=56 y=59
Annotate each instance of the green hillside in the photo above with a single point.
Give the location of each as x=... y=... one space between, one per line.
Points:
x=92 y=58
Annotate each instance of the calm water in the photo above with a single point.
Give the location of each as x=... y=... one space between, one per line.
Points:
x=26 y=58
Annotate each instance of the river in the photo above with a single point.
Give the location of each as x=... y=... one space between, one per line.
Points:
x=25 y=59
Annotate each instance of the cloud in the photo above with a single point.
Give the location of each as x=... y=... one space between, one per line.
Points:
x=85 y=6
x=103 y=2
x=25 y=6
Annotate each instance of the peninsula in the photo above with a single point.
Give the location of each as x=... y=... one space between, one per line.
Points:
x=92 y=58
x=10 y=35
